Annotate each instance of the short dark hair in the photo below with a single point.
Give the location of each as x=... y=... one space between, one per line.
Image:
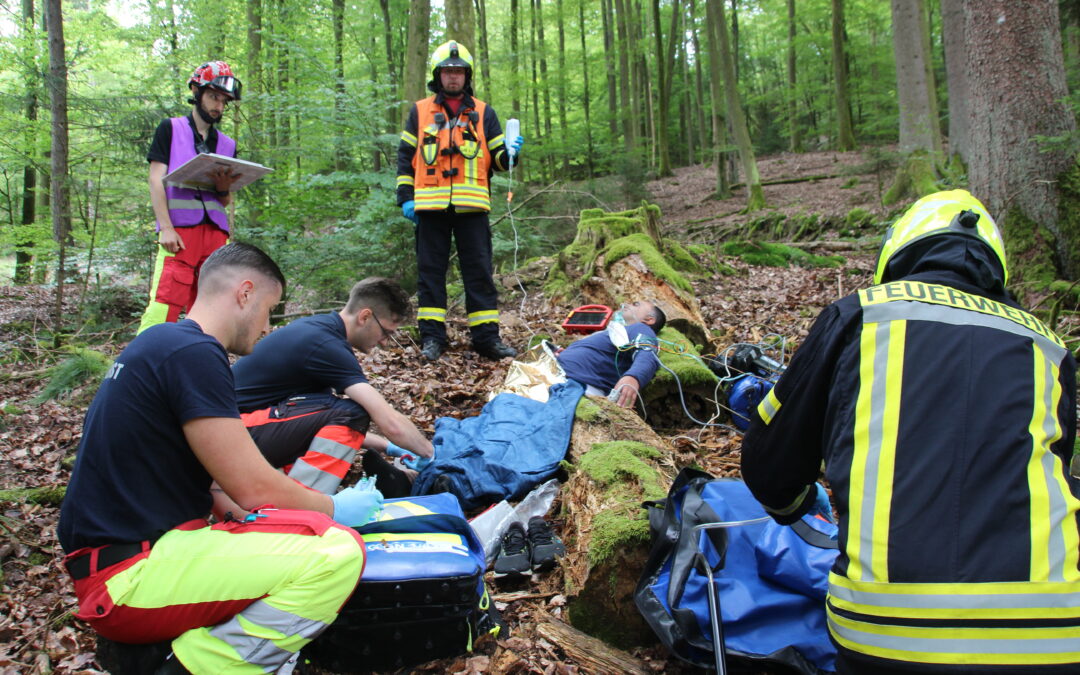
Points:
x=243 y=256
x=381 y=295
x=661 y=319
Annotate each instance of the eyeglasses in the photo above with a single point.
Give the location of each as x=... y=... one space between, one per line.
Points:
x=386 y=334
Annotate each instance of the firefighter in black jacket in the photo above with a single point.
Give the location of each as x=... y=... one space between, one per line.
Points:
x=945 y=415
x=451 y=144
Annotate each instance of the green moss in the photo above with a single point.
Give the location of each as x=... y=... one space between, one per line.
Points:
x=858 y=218
x=1029 y=250
x=51 y=495
x=678 y=354
x=700 y=250
x=916 y=177
x=643 y=245
x=614 y=530
x=537 y=339
x=587 y=411
x=615 y=461
x=765 y=254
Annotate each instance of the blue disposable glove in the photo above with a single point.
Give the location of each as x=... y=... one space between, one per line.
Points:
x=395 y=450
x=416 y=462
x=353 y=507
x=516 y=149
x=408 y=209
x=821 y=503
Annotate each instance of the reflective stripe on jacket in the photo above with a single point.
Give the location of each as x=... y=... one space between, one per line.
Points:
x=944 y=418
x=452 y=159
x=192 y=207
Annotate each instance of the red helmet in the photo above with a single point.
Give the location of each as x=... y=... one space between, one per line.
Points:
x=216 y=75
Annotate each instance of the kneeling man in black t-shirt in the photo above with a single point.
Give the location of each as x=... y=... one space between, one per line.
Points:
x=289 y=392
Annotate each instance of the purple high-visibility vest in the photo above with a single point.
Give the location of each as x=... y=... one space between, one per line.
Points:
x=191 y=207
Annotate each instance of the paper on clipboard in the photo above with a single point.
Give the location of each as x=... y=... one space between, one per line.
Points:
x=195 y=173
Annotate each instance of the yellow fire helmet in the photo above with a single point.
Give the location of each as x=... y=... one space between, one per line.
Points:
x=450 y=54
x=951 y=212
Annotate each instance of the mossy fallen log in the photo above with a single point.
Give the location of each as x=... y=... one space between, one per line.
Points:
x=52 y=495
x=616 y=463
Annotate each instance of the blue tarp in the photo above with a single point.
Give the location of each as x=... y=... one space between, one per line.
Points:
x=513 y=445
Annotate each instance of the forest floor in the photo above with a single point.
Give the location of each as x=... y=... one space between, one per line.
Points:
x=37 y=633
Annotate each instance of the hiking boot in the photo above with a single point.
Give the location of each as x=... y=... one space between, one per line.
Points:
x=432 y=350
x=543 y=543
x=495 y=350
x=514 y=556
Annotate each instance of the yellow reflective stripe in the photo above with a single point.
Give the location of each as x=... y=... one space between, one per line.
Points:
x=431 y=314
x=405 y=179
x=408 y=138
x=485 y=316
x=496 y=142
x=445 y=537
x=977 y=601
x=860 y=449
x=952 y=645
x=402 y=509
x=886 y=451
x=1054 y=537
x=769 y=406
x=790 y=508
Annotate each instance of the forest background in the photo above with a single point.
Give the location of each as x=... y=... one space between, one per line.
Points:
x=610 y=93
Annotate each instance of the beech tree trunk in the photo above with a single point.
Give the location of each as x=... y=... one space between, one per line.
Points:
x=413 y=86
x=609 y=61
x=755 y=197
x=915 y=88
x=845 y=132
x=461 y=23
x=23 y=257
x=515 y=60
x=625 y=111
x=952 y=36
x=585 y=95
x=60 y=202
x=716 y=88
x=1016 y=85
x=794 y=134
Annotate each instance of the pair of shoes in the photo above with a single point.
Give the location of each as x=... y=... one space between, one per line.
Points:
x=495 y=350
x=524 y=553
x=432 y=350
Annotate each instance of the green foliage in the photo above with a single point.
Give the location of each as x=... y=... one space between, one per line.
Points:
x=766 y=254
x=681 y=356
x=84 y=366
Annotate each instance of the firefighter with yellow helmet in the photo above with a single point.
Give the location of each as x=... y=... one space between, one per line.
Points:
x=945 y=415
x=451 y=145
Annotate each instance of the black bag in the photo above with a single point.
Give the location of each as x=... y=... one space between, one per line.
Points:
x=421 y=596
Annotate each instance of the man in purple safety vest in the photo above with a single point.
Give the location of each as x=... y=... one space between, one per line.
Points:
x=198 y=214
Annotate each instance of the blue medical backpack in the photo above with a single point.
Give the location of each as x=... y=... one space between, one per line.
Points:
x=421 y=596
x=771 y=579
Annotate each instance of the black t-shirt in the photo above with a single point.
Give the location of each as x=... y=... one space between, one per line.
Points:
x=161 y=146
x=310 y=355
x=135 y=475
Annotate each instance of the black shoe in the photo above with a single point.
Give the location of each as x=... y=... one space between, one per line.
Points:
x=122 y=658
x=432 y=350
x=495 y=350
x=513 y=557
x=543 y=543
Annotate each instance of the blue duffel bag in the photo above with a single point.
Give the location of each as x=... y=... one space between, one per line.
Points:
x=770 y=580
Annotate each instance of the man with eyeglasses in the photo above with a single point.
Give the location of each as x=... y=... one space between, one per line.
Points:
x=191 y=223
x=289 y=391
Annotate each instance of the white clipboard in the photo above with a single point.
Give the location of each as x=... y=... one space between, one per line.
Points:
x=195 y=173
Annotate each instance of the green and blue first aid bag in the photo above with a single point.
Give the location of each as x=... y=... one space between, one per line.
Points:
x=771 y=579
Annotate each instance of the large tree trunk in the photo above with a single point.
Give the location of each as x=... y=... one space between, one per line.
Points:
x=952 y=35
x=564 y=128
x=61 y=212
x=485 y=54
x=794 y=135
x=544 y=82
x=845 y=132
x=626 y=113
x=665 y=72
x=413 y=86
x=337 y=13
x=755 y=197
x=700 y=152
x=1016 y=85
x=461 y=23
x=914 y=78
